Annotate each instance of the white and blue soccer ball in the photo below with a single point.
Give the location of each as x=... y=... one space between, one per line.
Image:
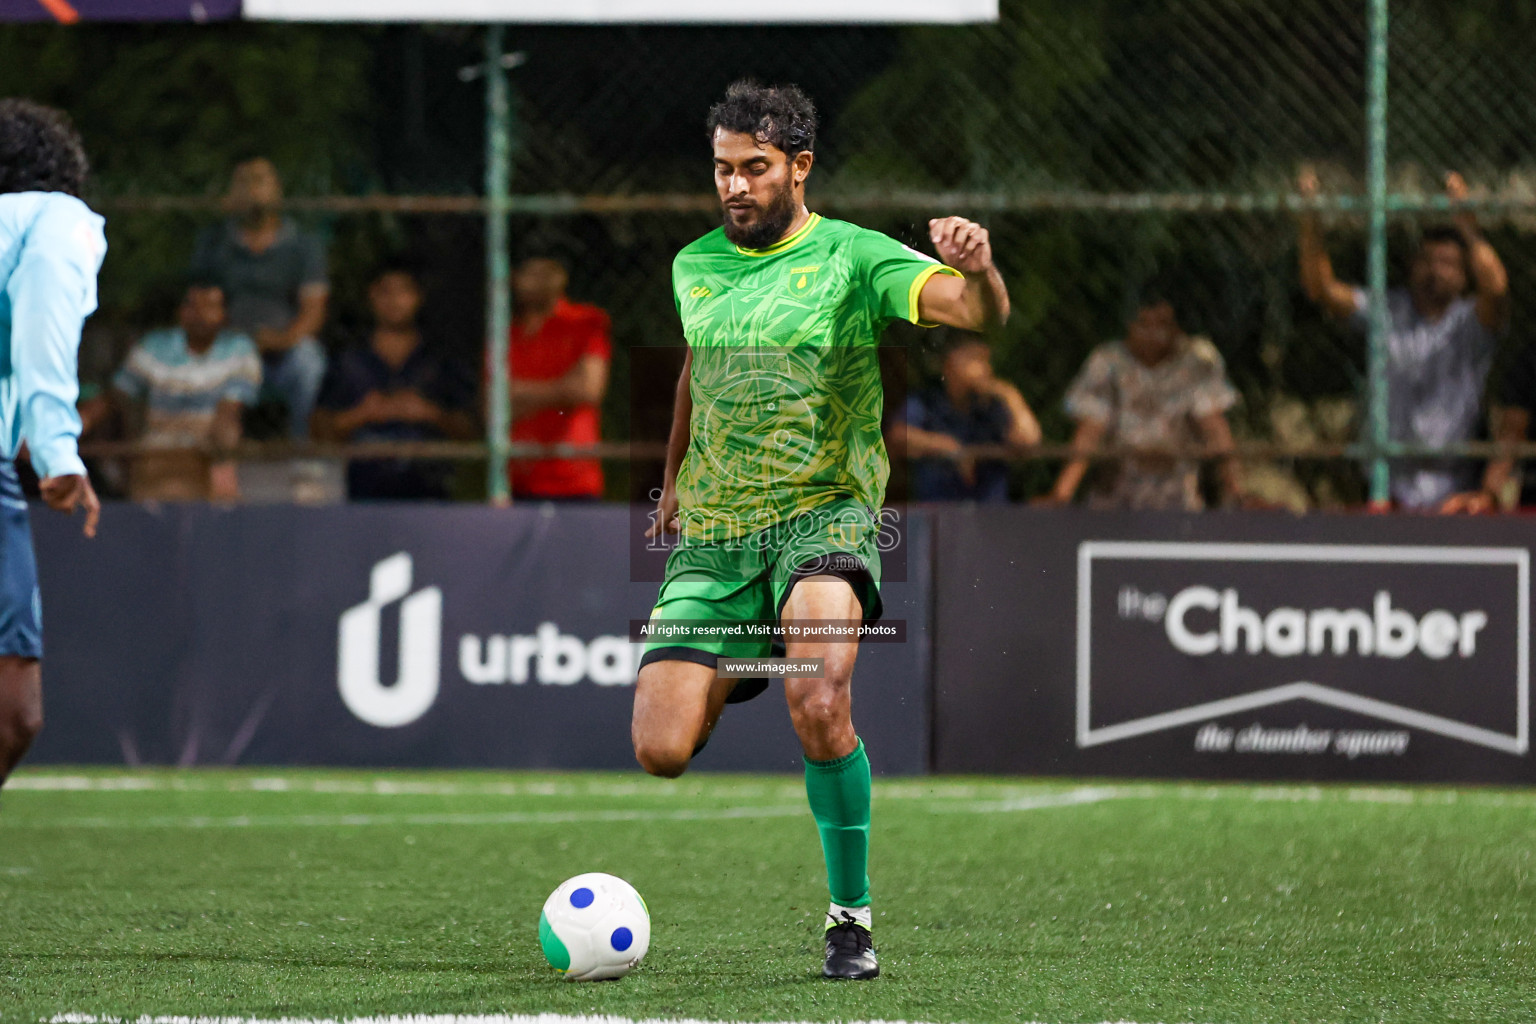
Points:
x=594 y=927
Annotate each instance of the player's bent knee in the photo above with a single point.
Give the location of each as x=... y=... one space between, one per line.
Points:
x=20 y=723
x=666 y=760
x=819 y=712
x=21 y=708
x=30 y=723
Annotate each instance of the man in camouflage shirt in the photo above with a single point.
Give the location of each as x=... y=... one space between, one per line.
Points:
x=1157 y=389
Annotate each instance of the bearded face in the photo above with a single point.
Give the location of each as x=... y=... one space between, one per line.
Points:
x=756 y=224
x=759 y=188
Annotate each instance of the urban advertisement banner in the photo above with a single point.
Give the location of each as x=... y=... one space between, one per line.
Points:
x=70 y=11
x=446 y=636
x=1234 y=646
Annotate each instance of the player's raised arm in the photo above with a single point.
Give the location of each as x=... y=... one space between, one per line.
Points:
x=975 y=302
x=677 y=447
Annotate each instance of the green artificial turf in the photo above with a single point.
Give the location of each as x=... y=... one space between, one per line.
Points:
x=333 y=894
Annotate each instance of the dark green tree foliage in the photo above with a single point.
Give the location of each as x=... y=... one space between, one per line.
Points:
x=168 y=110
x=1064 y=100
x=1078 y=110
x=1067 y=102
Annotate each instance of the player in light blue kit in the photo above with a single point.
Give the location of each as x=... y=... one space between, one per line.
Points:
x=51 y=246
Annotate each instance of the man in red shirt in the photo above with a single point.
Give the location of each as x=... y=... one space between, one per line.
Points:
x=559 y=372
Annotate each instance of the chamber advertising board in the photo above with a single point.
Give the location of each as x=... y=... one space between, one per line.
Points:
x=1235 y=646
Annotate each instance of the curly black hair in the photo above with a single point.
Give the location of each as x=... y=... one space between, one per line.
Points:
x=40 y=151
x=780 y=115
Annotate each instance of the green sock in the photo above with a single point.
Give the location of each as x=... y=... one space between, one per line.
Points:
x=839 y=797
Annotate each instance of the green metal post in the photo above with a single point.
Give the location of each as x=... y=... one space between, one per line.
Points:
x=1376 y=281
x=498 y=296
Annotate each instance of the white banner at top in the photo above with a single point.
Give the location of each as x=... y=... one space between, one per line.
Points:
x=567 y=12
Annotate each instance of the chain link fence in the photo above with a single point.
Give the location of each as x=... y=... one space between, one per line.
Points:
x=1109 y=145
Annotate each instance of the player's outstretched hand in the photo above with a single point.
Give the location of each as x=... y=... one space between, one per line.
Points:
x=66 y=493
x=962 y=244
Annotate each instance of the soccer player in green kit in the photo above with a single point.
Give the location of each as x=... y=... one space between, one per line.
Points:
x=776 y=467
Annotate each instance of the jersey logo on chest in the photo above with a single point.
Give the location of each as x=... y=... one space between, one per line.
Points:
x=802 y=280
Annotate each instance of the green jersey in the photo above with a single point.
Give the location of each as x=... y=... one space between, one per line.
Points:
x=786 y=390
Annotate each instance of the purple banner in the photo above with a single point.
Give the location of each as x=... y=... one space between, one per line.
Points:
x=69 y=11
x=1242 y=646
x=396 y=634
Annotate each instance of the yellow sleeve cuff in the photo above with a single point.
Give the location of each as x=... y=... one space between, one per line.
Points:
x=917 y=289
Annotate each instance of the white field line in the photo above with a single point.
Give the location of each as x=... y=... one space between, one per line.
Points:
x=704 y=788
x=1401 y=795
x=1080 y=796
x=690 y=789
x=542 y=1018
x=1044 y=802
x=160 y=783
x=1071 y=798
x=364 y=820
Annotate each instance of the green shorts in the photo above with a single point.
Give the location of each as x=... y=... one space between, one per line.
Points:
x=748 y=579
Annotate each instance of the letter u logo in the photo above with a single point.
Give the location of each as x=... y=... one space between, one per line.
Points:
x=358 y=646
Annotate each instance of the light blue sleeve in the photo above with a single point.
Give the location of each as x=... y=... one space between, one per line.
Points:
x=52 y=291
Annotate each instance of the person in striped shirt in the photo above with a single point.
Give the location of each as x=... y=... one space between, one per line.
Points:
x=192 y=383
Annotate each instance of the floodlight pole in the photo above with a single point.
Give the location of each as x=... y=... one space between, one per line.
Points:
x=498 y=264
x=1376 y=187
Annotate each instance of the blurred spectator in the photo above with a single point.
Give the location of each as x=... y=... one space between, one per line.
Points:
x=1159 y=388
x=559 y=373
x=1514 y=405
x=1439 y=346
x=971 y=407
x=192 y=382
x=274 y=278
x=396 y=386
